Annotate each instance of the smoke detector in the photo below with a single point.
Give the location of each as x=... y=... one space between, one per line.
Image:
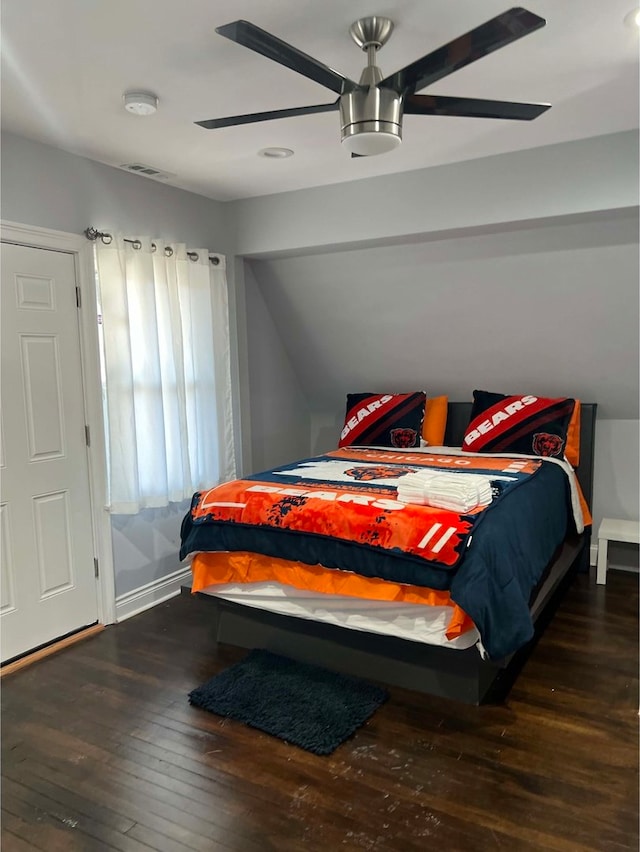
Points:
x=140 y=103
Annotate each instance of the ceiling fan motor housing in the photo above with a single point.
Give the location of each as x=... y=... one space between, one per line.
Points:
x=371 y=109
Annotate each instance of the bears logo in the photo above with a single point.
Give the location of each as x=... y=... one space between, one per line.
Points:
x=545 y=444
x=403 y=438
x=366 y=474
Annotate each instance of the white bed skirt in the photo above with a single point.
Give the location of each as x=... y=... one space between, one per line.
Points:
x=415 y=622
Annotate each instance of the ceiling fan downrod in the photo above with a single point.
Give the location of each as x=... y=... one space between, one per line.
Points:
x=371 y=116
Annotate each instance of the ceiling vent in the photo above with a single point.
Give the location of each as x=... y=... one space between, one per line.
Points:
x=147 y=171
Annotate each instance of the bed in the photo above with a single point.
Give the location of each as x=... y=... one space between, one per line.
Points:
x=424 y=638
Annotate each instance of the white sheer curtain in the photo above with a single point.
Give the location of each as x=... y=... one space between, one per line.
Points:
x=167 y=377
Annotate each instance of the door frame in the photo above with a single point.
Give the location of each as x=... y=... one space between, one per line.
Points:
x=81 y=250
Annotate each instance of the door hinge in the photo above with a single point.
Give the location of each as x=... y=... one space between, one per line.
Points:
x=87 y=435
x=96 y=568
x=78 y=298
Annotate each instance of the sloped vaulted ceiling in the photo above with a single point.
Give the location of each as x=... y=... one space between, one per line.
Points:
x=551 y=309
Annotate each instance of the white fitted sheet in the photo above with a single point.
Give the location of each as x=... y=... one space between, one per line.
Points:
x=416 y=622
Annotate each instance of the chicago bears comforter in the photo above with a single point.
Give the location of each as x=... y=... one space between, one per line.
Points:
x=341 y=511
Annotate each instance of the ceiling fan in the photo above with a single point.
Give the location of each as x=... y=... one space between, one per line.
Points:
x=371 y=110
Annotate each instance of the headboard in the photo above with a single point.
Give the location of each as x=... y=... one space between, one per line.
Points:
x=458 y=418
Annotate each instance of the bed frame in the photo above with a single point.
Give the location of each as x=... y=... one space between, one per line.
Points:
x=461 y=675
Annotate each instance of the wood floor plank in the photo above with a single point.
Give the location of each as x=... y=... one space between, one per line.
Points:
x=160 y=803
x=101 y=750
x=110 y=803
x=12 y=842
x=56 y=828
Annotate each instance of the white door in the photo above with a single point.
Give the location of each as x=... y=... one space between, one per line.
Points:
x=48 y=582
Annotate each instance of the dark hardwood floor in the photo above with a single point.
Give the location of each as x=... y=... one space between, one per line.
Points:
x=101 y=750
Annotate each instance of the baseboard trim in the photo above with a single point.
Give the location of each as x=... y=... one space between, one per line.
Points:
x=151 y=594
x=52 y=648
x=593 y=560
x=629 y=569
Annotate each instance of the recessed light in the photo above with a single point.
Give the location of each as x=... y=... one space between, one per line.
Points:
x=276 y=153
x=632 y=18
x=140 y=103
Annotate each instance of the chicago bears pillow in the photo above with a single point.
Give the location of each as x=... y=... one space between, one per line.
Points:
x=528 y=424
x=383 y=420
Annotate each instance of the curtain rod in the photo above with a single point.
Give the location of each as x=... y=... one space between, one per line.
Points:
x=93 y=234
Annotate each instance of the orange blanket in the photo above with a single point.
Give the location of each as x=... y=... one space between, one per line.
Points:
x=216 y=568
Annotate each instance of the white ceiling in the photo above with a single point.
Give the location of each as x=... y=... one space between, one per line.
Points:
x=66 y=64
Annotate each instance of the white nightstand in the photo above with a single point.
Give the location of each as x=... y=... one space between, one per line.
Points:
x=612 y=530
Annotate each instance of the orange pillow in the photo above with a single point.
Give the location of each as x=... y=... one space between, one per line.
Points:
x=435 y=420
x=572 y=448
x=572 y=452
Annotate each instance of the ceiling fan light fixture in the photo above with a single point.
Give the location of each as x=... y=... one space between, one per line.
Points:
x=368 y=143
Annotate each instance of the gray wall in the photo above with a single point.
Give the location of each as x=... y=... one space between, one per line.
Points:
x=280 y=421
x=52 y=189
x=600 y=173
x=49 y=188
x=43 y=186
x=552 y=310
x=345 y=280
x=510 y=273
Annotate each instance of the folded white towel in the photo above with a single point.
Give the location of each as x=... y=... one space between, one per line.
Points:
x=457 y=492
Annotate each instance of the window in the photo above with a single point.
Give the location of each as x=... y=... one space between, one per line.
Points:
x=166 y=372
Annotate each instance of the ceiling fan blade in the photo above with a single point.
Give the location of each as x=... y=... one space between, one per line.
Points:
x=232 y=120
x=248 y=35
x=496 y=33
x=472 y=107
